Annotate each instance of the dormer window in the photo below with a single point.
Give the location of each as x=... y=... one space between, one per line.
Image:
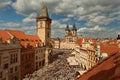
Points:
x=22 y=40
x=32 y=40
x=36 y=40
x=27 y=40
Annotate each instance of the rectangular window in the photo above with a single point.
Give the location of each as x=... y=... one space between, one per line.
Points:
x=36 y=57
x=11 y=59
x=5 y=66
x=0 y=74
x=11 y=70
x=16 y=58
x=16 y=68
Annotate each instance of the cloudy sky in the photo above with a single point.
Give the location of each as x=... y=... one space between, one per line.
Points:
x=93 y=18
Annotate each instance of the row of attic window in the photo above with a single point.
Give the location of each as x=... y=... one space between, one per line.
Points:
x=29 y=40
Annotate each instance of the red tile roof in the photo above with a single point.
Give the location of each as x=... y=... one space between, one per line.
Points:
x=108 y=48
x=4 y=35
x=21 y=36
x=80 y=41
x=108 y=69
x=86 y=38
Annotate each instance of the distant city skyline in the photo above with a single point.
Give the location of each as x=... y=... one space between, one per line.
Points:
x=93 y=18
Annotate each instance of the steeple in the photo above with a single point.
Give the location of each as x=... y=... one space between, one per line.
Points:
x=44 y=26
x=74 y=27
x=67 y=28
x=44 y=11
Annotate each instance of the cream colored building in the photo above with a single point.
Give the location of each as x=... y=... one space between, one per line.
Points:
x=10 y=60
x=39 y=57
x=56 y=43
x=70 y=40
x=44 y=33
x=86 y=58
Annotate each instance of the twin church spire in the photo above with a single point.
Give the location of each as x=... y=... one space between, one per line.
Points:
x=74 y=27
x=69 y=32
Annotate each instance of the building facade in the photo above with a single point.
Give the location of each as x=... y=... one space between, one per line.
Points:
x=86 y=58
x=10 y=60
x=27 y=64
x=39 y=57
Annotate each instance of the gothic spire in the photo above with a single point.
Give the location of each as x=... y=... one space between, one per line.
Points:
x=44 y=11
x=74 y=27
x=67 y=28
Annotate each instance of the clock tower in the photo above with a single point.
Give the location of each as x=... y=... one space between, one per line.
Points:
x=44 y=26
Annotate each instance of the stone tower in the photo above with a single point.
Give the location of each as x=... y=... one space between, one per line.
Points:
x=67 y=30
x=44 y=26
x=74 y=33
x=67 y=33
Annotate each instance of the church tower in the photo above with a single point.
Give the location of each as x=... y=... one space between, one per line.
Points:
x=74 y=33
x=67 y=31
x=44 y=26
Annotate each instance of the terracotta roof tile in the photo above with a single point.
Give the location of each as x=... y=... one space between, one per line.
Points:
x=80 y=41
x=105 y=70
x=108 y=48
x=4 y=35
x=18 y=34
x=23 y=38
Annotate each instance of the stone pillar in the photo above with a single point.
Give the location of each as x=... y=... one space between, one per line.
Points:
x=47 y=54
x=6 y=74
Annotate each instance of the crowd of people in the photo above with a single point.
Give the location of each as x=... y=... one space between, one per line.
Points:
x=59 y=69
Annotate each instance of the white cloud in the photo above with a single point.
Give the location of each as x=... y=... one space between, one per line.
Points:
x=99 y=20
x=94 y=12
x=4 y=3
x=58 y=29
x=26 y=7
x=98 y=32
x=9 y=24
x=30 y=18
x=56 y=24
x=69 y=8
x=94 y=29
x=65 y=19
